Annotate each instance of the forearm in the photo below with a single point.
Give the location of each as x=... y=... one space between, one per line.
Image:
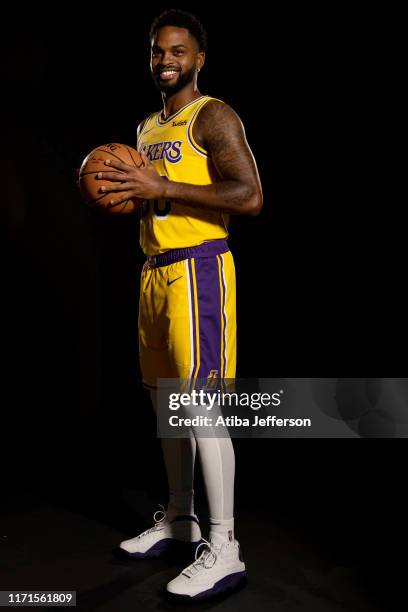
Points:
x=232 y=197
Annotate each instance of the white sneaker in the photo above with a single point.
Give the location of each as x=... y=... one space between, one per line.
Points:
x=180 y=535
x=216 y=570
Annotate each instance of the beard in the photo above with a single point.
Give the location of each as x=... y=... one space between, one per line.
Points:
x=181 y=81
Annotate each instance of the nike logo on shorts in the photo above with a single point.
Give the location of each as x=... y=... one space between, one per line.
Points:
x=170 y=282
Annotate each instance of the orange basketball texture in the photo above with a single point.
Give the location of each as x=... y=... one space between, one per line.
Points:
x=90 y=186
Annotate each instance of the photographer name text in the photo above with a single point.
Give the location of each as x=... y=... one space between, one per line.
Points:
x=234 y=421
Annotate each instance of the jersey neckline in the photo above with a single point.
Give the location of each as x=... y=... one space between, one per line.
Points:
x=183 y=108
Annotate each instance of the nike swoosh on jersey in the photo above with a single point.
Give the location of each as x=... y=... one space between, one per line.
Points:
x=174 y=280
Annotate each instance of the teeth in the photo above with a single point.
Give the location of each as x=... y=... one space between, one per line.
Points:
x=168 y=73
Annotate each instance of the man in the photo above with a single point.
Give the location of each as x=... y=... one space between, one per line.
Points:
x=197 y=170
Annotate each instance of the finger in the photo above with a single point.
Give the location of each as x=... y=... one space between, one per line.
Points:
x=145 y=159
x=114 y=163
x=115 y=187
x=113 y=176
x=118 y=200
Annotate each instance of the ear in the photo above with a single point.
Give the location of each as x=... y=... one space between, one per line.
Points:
x=200 y=61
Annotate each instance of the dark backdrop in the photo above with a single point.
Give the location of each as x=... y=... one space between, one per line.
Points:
x=319 y=273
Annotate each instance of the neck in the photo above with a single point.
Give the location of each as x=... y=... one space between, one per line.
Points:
x=173 y=102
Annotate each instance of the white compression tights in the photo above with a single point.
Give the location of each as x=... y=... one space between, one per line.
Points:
x=218 y=467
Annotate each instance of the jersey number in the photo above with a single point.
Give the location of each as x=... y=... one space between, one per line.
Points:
x=161 y=208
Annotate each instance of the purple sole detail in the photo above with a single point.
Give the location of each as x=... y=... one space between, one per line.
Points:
x=164 y=546
x=227 y=583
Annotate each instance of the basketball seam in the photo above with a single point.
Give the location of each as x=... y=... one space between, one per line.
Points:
x=110 y=153
x=130 y=153
x=97 y=199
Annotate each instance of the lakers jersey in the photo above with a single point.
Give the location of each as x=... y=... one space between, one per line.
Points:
x=171 y=148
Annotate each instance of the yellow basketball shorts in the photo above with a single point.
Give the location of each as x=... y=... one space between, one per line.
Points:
x=187 y=314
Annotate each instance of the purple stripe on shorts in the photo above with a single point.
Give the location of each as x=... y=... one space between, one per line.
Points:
x=224 y=344
x=209 y=312
x=193 y=320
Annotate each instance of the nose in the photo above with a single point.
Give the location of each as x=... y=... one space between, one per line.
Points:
x=166 y=58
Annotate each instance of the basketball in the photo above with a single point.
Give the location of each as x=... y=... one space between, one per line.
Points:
x=90 y=185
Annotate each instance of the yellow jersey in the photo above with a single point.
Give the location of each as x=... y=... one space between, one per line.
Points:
x=171 y=148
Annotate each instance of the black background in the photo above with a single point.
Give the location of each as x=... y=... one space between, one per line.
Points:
x=319 y=273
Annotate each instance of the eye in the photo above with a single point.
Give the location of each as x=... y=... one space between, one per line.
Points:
x=178 y=52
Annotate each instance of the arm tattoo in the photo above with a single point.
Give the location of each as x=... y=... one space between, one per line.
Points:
x=220 y=131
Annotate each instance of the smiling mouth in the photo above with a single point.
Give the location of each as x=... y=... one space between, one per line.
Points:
x=166 y=75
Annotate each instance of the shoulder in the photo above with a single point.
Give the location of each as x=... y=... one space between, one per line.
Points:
x=215 y=119
x=217 y=111
x=143 y=123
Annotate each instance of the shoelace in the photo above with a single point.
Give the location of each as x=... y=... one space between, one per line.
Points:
x=202 y=561
x=156 y=522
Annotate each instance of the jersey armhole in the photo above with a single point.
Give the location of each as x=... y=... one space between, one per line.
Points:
x=194 y=144
x=145 y=123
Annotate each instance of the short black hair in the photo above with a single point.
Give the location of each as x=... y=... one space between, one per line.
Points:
x=181 y=19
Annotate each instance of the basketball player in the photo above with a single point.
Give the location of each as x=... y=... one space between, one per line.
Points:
x=198 y=169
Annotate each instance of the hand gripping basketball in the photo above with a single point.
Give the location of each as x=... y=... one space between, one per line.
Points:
x=120 y=191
